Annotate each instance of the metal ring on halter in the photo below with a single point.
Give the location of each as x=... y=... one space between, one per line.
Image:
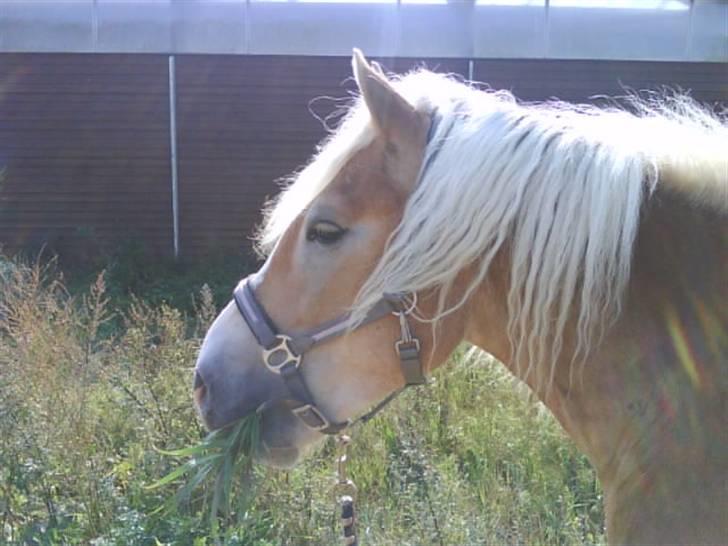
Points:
x=284 y=347
x=409 y=310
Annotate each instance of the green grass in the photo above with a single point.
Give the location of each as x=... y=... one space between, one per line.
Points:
x=225 y=457
x=93 y=392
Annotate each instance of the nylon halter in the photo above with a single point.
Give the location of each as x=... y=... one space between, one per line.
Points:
x=282 y=354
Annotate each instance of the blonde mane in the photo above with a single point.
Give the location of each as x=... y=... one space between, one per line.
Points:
x=561 y=185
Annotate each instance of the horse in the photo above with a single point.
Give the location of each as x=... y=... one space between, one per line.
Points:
x=584 y=247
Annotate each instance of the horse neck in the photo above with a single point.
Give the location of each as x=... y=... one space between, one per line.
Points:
x=664 y=366
x=650 y=399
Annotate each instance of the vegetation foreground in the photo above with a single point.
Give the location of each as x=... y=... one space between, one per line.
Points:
x=90 y=395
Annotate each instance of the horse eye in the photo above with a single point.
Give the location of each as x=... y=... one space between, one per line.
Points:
x=326 y=233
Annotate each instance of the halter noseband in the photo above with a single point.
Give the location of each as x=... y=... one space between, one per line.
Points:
x=283 y=354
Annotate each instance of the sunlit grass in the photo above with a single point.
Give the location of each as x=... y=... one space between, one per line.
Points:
x=94 y=411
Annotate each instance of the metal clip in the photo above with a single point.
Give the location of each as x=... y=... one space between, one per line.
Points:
x=280 y=355
x=345 y=492
x=344 y=486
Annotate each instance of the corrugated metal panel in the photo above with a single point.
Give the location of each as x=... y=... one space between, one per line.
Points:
x=244 y=122
x=84 y=145
x=579 y=81
x=85 y=138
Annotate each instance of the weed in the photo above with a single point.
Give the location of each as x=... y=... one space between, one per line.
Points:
x=93 y=384
x=225 y=456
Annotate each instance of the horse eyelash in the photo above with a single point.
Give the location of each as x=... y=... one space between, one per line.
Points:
x=314 y=235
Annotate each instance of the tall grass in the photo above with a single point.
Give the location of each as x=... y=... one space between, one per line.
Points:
x=87 y=403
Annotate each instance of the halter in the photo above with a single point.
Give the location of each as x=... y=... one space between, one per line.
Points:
x=282 y=354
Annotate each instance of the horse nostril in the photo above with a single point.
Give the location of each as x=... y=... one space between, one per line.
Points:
x=199 y=389
x=198 y=381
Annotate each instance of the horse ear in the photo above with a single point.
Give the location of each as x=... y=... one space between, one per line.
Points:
x=391 y=113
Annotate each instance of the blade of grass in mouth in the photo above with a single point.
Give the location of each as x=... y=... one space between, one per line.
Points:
x=223 y=457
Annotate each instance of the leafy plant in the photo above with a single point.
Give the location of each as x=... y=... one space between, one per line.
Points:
x=225 y=456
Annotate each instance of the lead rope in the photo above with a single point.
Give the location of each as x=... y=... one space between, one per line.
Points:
x=408 y=350
x=345 y=492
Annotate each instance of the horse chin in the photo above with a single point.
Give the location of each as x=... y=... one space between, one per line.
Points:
x=283 y=440
x=285 y=457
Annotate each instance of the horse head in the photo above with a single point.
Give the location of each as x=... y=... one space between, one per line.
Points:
x=291 y=344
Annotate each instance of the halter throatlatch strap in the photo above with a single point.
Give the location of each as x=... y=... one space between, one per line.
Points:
x=408 y=346
x=282 y=354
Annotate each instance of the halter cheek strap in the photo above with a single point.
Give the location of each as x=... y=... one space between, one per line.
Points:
x=283 y=354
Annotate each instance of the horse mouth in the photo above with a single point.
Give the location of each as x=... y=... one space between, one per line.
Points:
x=273 y=448
x=217 y=411
x=211 y=419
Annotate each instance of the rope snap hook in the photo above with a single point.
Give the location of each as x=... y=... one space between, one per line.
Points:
x=345 y=492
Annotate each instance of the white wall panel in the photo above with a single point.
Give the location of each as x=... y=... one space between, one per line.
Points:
x=209 y=26
x=509 y=31
x=659 y=35
x=46 y=25
x=134 y=26
x=709 y=37
x=436 y=30
x=322 y=29
x=459 y=29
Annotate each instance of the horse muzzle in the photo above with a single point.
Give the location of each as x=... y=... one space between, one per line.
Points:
x=218 y=406
x=221 y=401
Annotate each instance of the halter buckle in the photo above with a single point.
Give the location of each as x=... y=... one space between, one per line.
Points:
x=308 y=411
x=406 y=345
x=281 y=354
